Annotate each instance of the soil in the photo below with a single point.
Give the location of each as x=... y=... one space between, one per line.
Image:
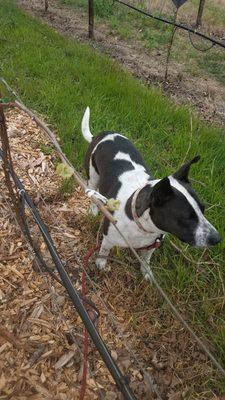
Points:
x=204 y=94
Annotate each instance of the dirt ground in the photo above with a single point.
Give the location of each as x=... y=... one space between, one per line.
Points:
x=204 y=94
x=41 y=337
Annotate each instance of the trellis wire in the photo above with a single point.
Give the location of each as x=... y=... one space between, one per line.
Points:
x=176 y=24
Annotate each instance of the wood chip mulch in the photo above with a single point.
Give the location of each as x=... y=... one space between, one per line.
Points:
x=38 y=356
x=41 y=335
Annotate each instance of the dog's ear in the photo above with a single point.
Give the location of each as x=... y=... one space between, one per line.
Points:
x=161 y=193
x=182 y=173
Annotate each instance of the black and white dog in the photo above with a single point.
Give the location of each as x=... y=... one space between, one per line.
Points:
x=149 y=207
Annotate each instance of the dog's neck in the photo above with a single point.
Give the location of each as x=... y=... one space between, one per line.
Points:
x=142 y=219
x=147 y=224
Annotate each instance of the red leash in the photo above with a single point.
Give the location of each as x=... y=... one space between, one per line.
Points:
x=154 y=245
x=86 y=339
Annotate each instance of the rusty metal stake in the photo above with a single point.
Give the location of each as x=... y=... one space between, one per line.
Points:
x=170 y=45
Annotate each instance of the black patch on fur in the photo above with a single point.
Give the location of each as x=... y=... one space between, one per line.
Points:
x=182 y=173
x=110 y=169
x=162 y=192
x=103 y=159
x=176 y=216
x=90 y=150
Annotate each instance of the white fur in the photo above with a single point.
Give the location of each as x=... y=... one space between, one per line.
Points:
x=93 y=184
x=124 y=156
x=85 y=126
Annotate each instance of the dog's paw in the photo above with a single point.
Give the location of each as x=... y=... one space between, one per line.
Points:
x=101 y=263
x=93 y=210
x=147 y=274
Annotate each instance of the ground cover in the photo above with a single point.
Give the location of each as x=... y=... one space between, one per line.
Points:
x=59 y=77
x=41 y=337
x=154 y=36
x=204 y=93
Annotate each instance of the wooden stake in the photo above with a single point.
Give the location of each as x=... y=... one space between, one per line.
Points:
x=91 y=19
x=7 y=160
x=46 y=5
x=200 y=13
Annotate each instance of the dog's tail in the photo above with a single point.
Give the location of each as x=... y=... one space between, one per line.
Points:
x=85 y=126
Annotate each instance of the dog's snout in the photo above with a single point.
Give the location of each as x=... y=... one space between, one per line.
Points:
x=214 y=239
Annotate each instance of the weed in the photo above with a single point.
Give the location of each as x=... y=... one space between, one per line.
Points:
x=153 y=38
x=104 y=8
x=93 y=221
x=67 y=187
x=214 y=63
x=123 y=30
x=46 y=149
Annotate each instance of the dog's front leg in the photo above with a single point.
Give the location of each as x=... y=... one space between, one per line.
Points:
x=146 y=270
x=101 y=261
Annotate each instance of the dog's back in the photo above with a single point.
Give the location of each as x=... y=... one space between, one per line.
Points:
x=110 y=155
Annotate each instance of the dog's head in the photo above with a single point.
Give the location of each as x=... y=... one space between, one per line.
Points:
x=176 y=208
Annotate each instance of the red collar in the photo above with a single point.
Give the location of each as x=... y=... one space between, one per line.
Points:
x=154 y=245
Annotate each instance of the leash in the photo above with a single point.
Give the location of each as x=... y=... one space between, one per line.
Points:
x=86 y=338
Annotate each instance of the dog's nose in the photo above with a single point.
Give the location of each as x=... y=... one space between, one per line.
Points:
x=214 y=239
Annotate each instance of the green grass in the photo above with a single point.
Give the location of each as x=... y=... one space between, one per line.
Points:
x=59 y=78
x=214 y=63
